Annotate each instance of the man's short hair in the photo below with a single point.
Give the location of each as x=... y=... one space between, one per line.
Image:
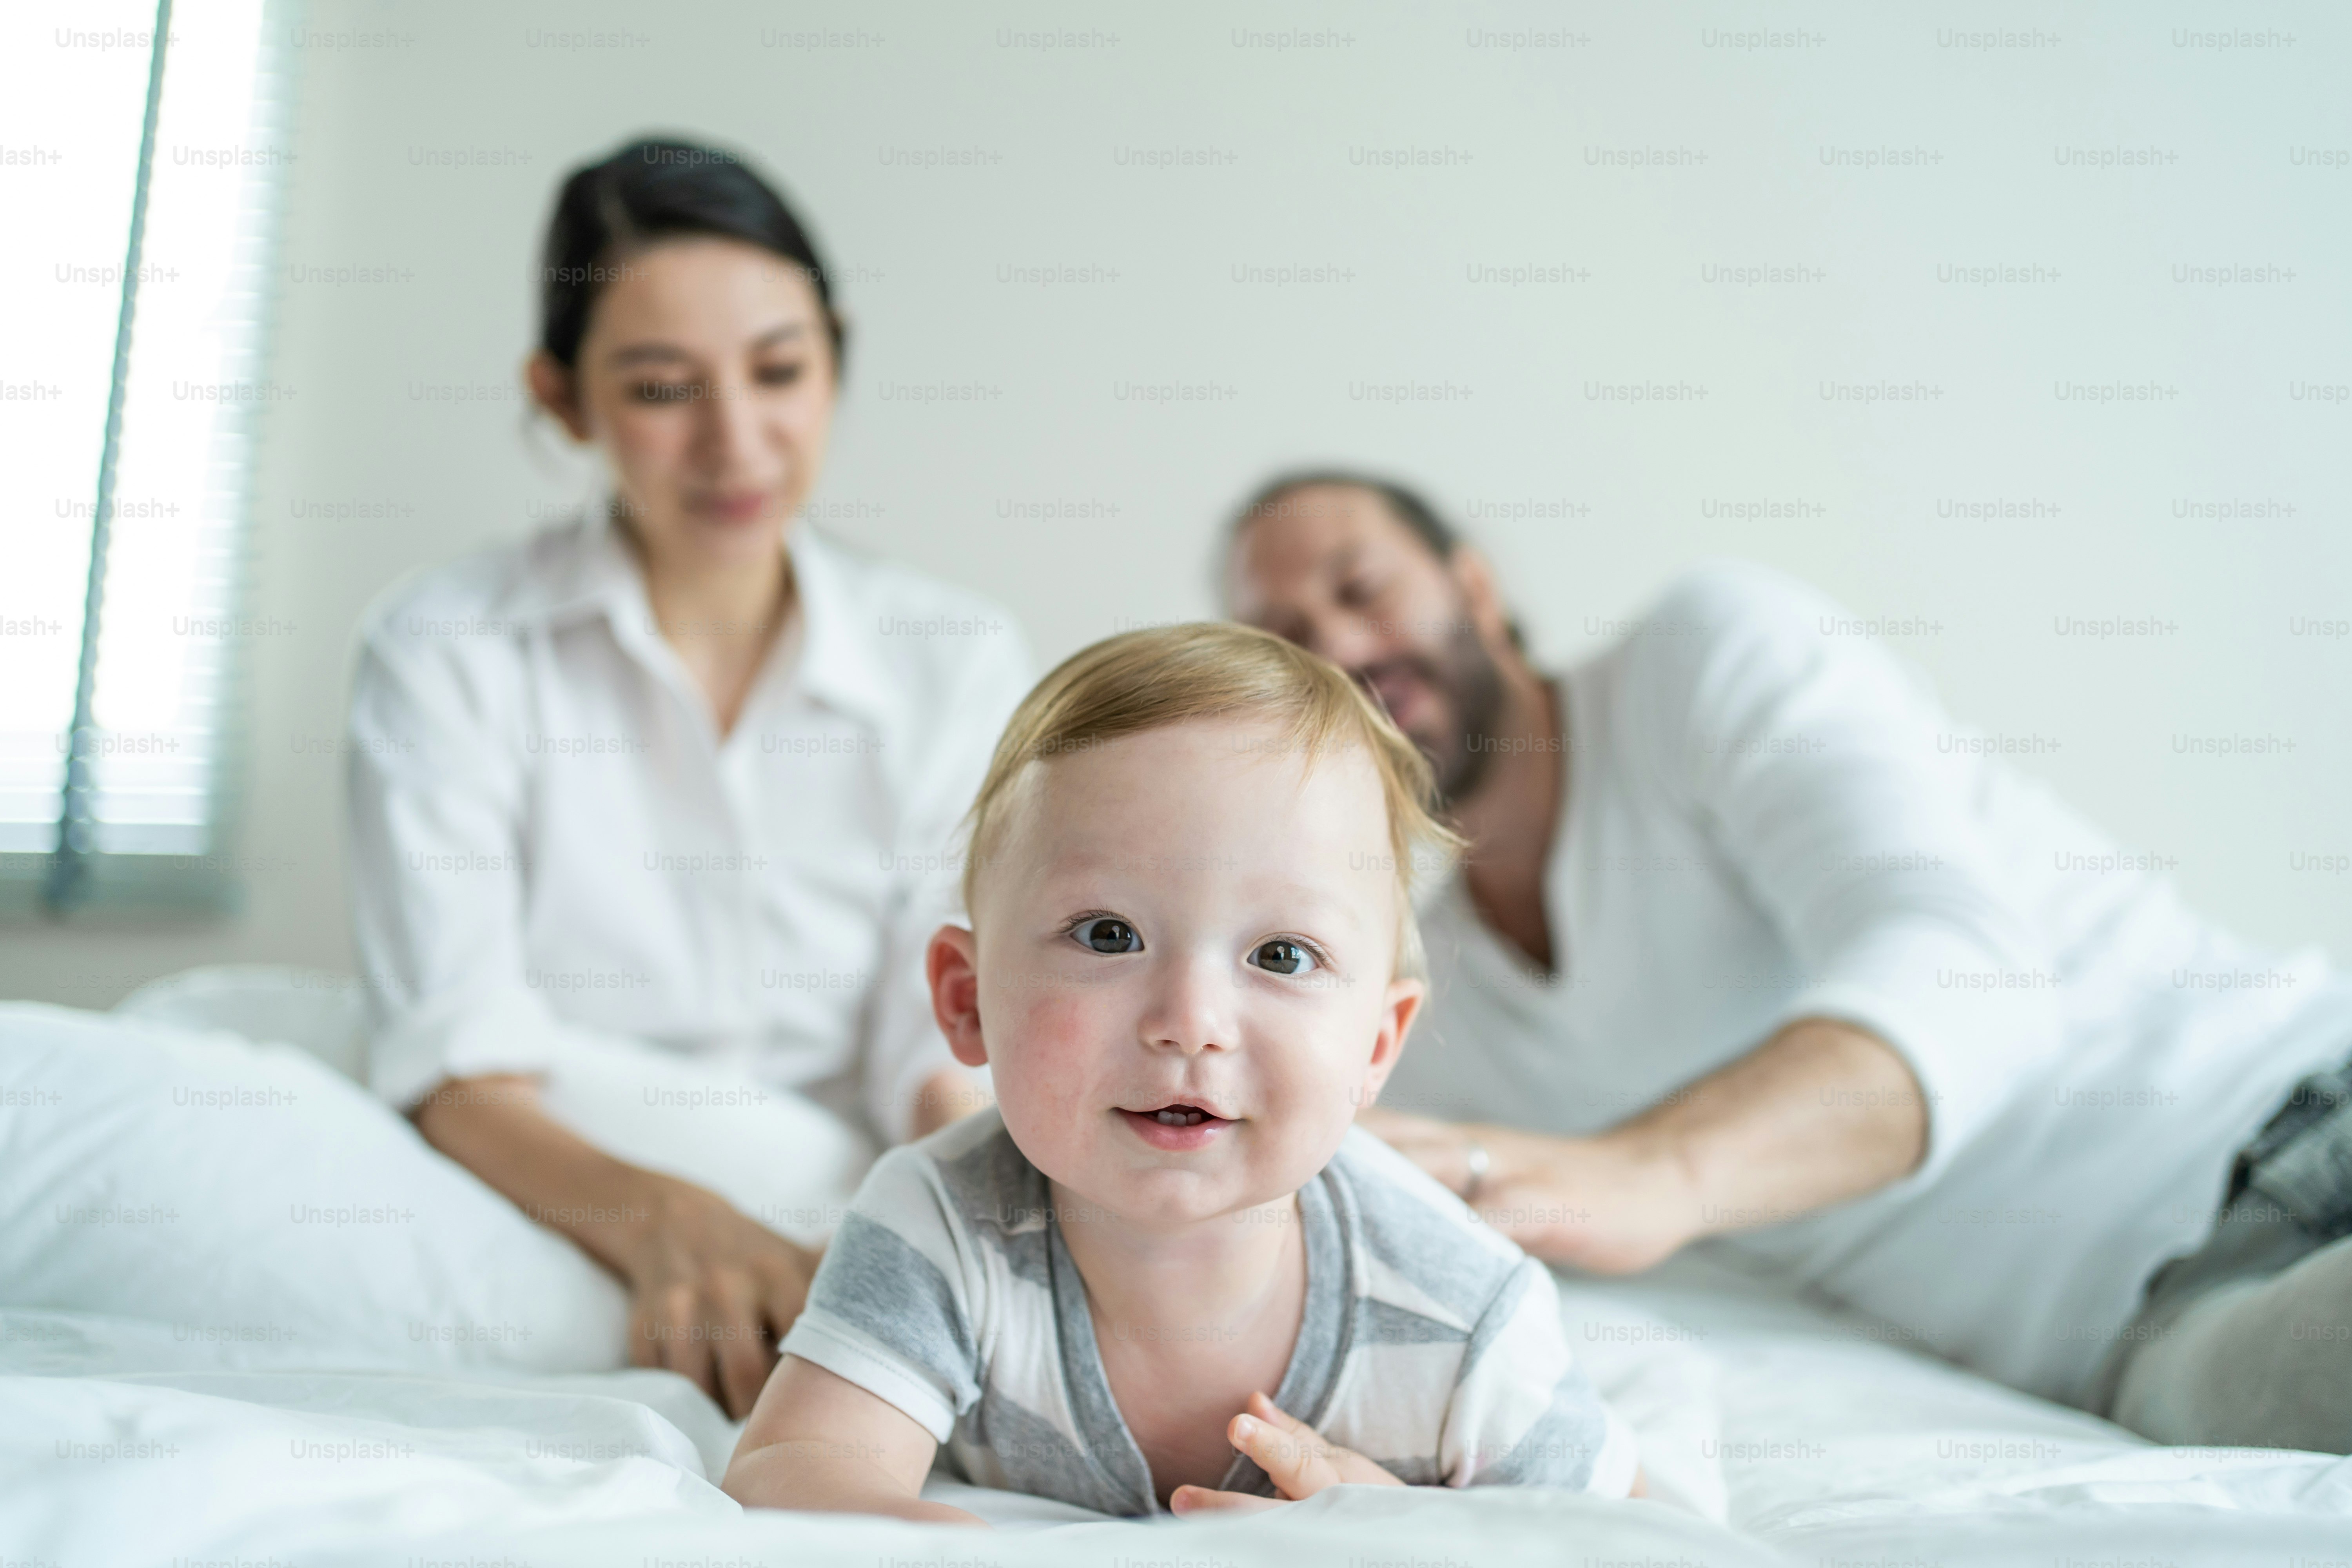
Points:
x=1405 y=505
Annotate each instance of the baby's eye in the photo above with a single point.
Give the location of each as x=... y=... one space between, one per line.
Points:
x=1107 y=935
x=1284 y=958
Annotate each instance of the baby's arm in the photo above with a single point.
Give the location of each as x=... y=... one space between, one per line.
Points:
x=818 y=1443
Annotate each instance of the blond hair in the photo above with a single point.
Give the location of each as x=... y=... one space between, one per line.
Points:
x=1162 y=676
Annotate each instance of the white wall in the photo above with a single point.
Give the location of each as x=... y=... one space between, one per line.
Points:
x=1622 y=492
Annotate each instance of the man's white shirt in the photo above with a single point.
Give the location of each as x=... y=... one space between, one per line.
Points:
x=1768 y=817
x=550 y=836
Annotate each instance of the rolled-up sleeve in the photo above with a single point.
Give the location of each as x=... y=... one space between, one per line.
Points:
x=440 y=868
x=904 y=1045
x=1822 y=769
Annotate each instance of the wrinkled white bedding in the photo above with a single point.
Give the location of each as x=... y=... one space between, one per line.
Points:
x=126 y=1442
x=240 y=1385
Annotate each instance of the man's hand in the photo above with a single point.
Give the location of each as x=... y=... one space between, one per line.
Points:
x=1822 y=1112
x=1607 y=1204
x=711 y=1294
x=1293 y=1456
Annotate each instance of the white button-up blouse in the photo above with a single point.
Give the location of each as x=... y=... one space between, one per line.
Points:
x=550 y=837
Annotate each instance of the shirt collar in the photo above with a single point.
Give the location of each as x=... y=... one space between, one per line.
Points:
x=587 y=568
x=580 y=568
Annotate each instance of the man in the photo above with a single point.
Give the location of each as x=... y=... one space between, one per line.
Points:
x=1751 y=943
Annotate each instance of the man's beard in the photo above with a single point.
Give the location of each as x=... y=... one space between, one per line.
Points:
x=1472 y=688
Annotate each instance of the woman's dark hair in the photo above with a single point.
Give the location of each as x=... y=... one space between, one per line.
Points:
x=655 y=190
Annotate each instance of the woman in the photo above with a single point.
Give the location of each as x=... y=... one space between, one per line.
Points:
x=653 y=812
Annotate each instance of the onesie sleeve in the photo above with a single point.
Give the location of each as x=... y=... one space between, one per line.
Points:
x=1523 y=1412
x=891 y=1308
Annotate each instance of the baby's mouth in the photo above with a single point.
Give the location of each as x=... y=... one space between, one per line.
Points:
x=1181 y=1113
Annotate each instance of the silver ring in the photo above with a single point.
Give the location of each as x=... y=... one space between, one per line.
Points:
x=1477 y=1156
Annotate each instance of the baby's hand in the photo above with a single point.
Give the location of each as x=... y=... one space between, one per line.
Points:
x=1295 y=1457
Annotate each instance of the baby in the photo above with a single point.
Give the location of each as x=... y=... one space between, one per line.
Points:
x=1166 y=1271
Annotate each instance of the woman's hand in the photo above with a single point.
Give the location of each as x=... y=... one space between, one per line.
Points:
x=1293 y=1456
x=947 y=1095
x=711 y=1294
x=1611 y=1204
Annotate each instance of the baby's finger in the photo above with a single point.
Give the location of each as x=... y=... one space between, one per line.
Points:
x=1347 y=1465
x=1295 y=1458
x=1265 y=1409
x=1203 y=1499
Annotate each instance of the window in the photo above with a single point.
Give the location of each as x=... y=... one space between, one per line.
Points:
x=145 y=155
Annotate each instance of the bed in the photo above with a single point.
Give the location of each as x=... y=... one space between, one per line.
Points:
x=156 y=1406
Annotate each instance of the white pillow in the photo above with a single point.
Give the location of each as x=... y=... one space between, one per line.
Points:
x=316 y=1009
x=247 y=1191
x=776 y=1155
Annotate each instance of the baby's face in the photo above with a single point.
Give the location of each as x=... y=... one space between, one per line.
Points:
x=1184 y=952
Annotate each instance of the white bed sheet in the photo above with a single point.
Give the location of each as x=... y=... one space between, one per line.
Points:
x=123 y=1442
x=1843 y=1446
x=1772 y=1428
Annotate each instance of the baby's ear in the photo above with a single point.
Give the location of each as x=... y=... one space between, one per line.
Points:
x=1398 y=1010
x=952 y=965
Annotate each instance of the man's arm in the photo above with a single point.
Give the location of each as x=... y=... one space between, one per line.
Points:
x=1820 y=1113
x=818 y=1443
